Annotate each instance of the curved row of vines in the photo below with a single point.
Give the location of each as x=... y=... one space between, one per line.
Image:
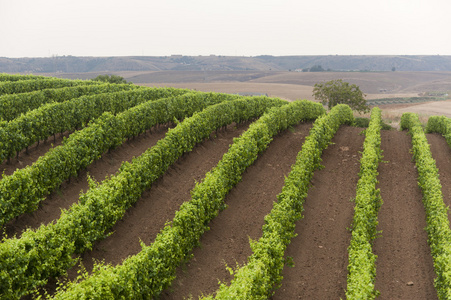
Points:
x=148 y=273
x=28 y=261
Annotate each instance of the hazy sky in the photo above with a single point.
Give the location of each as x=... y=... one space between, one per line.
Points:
x=41 y=28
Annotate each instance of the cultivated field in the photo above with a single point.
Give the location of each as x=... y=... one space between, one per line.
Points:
x=295 y=85
x=298 y=85
x=279 y=83
x=319 y=252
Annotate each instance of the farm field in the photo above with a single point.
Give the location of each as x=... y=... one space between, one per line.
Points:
x=299 y=85
x=274 y=82
x=319 y=252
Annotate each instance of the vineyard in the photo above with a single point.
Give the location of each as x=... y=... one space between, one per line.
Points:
x=115 y=191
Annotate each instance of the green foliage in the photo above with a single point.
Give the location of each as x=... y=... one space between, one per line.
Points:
x=29 y=261
x=148 y=273
x=362 y=261
x=315 y=68
x=397 y=100
x=439 y=124
x=55 y=117
x=110 y=78
x=338 y=91
x=11 y=77
x=439 y=232
x=365 y=122
x=12 y=105
x=385 y=126
x=361 y=122
x=23 y=190
x=262 y=274
x=25 y=86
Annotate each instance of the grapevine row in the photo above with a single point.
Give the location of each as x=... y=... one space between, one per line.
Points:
x=23 y=190
x=441 y=125
x=439 y=232
x=52 y=118
x=362 y=261
x=146 y=274
x=28 y=262
x=24 y=86
x=12 y=105
x=10 y=77
x=262 y=274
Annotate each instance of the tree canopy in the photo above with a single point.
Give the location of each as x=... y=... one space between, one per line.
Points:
x=110 y=79
x=315 y=68
x=340 y=92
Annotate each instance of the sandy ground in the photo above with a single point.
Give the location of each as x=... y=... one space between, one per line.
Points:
x=428 y=109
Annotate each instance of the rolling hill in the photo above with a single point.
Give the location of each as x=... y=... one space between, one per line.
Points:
x=74 y=64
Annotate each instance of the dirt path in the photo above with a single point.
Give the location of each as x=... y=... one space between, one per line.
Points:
x=402 y=250
x=228 y=240
x=68 y=193
x=319 y=251
x=441 y=152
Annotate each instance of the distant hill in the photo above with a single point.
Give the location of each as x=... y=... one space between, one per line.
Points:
x=74 y=64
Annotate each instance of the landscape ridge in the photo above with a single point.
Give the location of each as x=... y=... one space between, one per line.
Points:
x=300 y=63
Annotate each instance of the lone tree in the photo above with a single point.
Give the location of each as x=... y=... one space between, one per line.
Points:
x=110 y=79
x=340 y=92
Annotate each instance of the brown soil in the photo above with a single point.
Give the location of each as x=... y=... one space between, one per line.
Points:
x=298 y=85
x=68 y=193
x=402 y=250
x=285 y=91
x=319 y=251
x=158 y=205
x=227 y=243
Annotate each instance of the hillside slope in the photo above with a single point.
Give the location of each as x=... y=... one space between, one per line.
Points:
x=73 y=64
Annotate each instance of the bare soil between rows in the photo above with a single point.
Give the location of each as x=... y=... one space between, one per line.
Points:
x=319 y=252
